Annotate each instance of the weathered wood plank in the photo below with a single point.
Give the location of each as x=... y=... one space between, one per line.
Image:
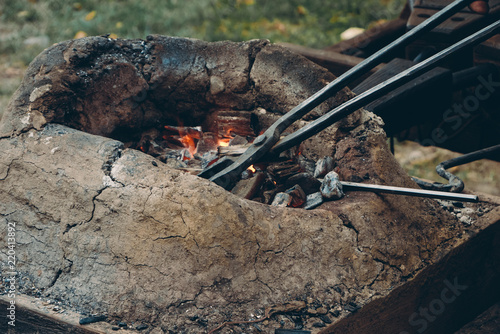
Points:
x=371 y=40
x=405 y=107
x=443 y=297
x=32 y=319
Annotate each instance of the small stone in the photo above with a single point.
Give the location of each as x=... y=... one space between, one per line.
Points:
x=466 y=220
x=331 y=187
x=312 y=311
x=319 y=324
x=208 y=158
x=122 y=324
x=216 y=85
x=114 y=328
x=307 y=165
x=326 y=319
x=268 y=195
x=90 y=320
x=335 y=313
x=246 y=174
x=322 y=310
x=257 y=327
x=309 y=300
x=352 y=307
x=141 y=327
x=282 y=200
x=323 y=167
x=202 y=322
x=313 y=200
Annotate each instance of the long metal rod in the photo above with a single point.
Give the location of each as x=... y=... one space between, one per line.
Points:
x=381 y=89
x=455 y=184
x=271 y=136
x=408 y=191
x=375 y=59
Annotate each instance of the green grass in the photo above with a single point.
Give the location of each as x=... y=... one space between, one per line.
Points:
x=311 y=23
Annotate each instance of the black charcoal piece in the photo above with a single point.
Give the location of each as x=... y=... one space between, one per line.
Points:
x=290 y=331
x=141 y=327
x=306 y=181
x=91 y=320
x=313 y=200
x=326 y=319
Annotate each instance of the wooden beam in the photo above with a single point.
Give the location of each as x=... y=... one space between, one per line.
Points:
x=32 y=316
x=372 y=39
x=440 y=299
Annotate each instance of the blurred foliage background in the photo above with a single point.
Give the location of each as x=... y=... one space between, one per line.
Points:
x=25 y=25
x=29 y=26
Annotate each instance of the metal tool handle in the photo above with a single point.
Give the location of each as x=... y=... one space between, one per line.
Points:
x=367 y=64
x=381 y=89
x=271 y=136
x=351 y=186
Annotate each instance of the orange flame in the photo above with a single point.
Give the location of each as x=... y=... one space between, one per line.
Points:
x=224 y=142
x=189 y=143
x=252 y=168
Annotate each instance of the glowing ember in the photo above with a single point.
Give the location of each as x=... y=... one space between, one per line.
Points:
x=182 y=138
x=224 y=142
x=189 y=143
x=251 y=168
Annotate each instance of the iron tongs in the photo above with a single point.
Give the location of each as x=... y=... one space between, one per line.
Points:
x=226 y=172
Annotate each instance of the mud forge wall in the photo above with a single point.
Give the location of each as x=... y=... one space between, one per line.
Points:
x=106 y=229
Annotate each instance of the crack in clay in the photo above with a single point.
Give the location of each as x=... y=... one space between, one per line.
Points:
x=71 y=226
x=140 y=265
x=56 y=277
x=347 y=223
x=388 y=264
x=252 y=57
x=112 y=158
x=8 y=169
x=172 y=237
